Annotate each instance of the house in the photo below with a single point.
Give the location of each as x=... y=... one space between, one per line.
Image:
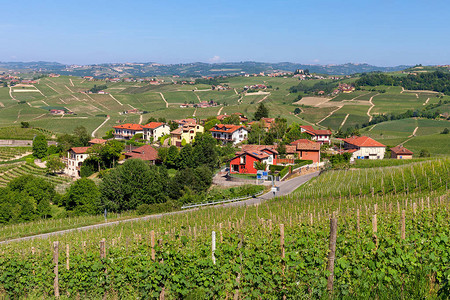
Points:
x=400 y=152
x=245 y=160
x=154 y=130
x=182 y=122
x=57 y=111
x=266 y=123
x=242 y=118
x=75 y=157
x=146 y=152
x=127 y=131
x=318 y=135
x=97 y=142
x=185 y=134
x=307 y=150
x=363 y=147
x=227 y=133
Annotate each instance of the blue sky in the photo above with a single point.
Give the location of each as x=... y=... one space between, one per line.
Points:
x=378 y=32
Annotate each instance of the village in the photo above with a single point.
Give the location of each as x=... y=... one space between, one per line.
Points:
x=312 y=150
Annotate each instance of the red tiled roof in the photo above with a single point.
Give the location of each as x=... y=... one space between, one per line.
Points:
x=153 y=125
x=226 y=128
x=304 y=144
x=258 y=154
x=129 y=126
x=179 y=130
x=291 y=149
x=271 y=148
x=313 y=131
x=145 y=152
x=303 y=141
x=401 y=150
x=97 y=141
x=363 y=141
x=79 y=150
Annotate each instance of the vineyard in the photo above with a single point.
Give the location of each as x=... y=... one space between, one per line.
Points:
x=392 y=242
x=10 y=171
x=10 y=153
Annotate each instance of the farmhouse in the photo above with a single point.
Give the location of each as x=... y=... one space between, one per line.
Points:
x=75 y=157
x=400 y=152
x=185 y=134
x=318 y=135
x=97 y=142
x=245 y=160
x=127 y=131
x=57 y=111
x=146 y=152
x=182 y=122
x=363 y=147
x=307 y=150
x=242 y=118
x=154 y=130
x=227 y=133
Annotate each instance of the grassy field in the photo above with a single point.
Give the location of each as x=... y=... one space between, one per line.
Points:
x=67 y=92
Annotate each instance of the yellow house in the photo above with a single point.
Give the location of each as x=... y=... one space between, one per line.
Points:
x=185 y=133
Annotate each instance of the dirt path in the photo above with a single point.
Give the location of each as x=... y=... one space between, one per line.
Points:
x=199 y=100
x=372 y=127
x=285 y=188
x=235 y=92
x=329 y=115
x=97 y=102
x=45 y=102
x=141 y=119
x=426 y=102
x=53 y=88
x=345 y=120
x=164 y=99
x=68 y=88
x=18 y=116
x=63 y=101
x=39 y=91
x=115 y=99
x=96 y=129
x=2 y=105
x=403 y=89
x=372 y=106
x=18 y=156
x=195 y=111
x=263 y=98
x=11 y=95
x=218 y=113
x=71 y=82
x=414 y=132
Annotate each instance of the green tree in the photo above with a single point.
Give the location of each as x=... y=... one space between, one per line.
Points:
x=110 y=153
x=82 y=137
x=172 y=156
x=424 y=153
x=132 y=184
x=297 y=111
x=205 y=150
x=83 y=197
x=261 y=112
x=24 y=124
x=232 y=119
x=256 y=134
x=278 y=128
x=210 y=124
x=54 y=165
x=445 y=131
x=260 y=165
x=162 y=154
x=185 y=158
x=40 y=146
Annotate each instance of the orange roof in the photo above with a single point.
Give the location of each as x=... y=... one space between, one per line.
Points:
x=304 y=144
x=401 y=150
x=363 y=141
x=97 y=141
x=129 y=126
x=227 y=128
x=153 y=125
x=145 y=152
x=249 y=148
x=313 y=131
x=258 y=154
x=79 y=150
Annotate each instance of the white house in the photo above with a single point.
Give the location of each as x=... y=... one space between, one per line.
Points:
x=229 y=133
x=363 y=147
x=318 y=135
x=75 y=157
x=155 y=130
x=127 y=131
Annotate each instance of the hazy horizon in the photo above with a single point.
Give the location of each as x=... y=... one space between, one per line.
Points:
x=380 y=33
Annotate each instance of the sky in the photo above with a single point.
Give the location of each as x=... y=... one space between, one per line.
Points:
x=378 y=32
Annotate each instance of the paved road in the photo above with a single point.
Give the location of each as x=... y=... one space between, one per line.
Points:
x=285 y=187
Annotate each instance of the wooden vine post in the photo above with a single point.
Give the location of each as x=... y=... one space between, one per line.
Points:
x=403 y=225
x=55 y=270
x=67 y=257
x=152 y=244
x=213 y=247
x=332 y=252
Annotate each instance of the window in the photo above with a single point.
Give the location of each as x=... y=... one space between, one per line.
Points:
x=235 y=168
x=242 y=160
x=270 y=159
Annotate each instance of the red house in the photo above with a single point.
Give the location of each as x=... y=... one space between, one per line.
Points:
x=146 y=152
x=307 y=150
x=244 y=161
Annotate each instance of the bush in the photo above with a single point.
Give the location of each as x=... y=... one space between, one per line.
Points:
x=275 y=168
x=284 y=171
